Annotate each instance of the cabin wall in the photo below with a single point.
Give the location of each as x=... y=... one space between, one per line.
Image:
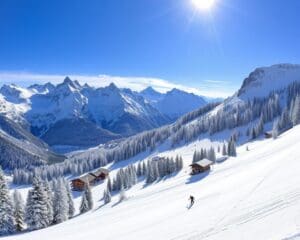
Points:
x=198 y=169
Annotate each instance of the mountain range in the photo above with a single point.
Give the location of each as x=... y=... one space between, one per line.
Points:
x=81 y=116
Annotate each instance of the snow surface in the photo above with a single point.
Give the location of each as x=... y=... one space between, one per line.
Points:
x=253 y=196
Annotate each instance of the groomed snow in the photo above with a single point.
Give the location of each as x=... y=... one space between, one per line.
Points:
x=253 y=196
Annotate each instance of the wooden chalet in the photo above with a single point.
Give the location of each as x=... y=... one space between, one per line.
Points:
x=268 y=135
x=201 y=166
x=91 y=178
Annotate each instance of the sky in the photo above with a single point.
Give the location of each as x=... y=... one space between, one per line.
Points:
x=162 y=43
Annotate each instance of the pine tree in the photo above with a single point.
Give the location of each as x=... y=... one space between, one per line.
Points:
x=49 y=194
x=6 y=208
x=231 y=148
x=139 y=171
x=195 y=158
x=71 y=210
x=144 y=168
x=275 y=130
x=61 y=206
x=18 y=211
x=296 y=111
x=109 y=185
x=36 y=206
x=212 y=154
x=84 y=206
x=89 y=197
x=106 y=196
x=151 y=172
x=179 y=163
x=224 y=150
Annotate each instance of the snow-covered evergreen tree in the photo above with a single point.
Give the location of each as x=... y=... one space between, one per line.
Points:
x=275 y=130
x=84 y=206
x=89 y=197
x=37 y=206
x=71 y=210
x=224 y=150
x=231 y=148
x=60 y=203
x=19 y=211
x=109 y=184
x=106 y=196
x=6 y=208
x=212 y=155
x=49 y=194
x=295 y=113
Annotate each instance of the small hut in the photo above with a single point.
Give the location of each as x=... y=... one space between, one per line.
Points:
x=91 y=178
x=201 y=166
x=221 y=159
x=268 y=135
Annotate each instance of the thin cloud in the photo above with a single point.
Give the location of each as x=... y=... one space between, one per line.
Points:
x=210 y=88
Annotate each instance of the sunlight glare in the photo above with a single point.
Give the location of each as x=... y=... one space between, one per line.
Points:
x=203 y=5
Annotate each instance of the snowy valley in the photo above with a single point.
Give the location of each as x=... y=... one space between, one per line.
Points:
x=250 y=189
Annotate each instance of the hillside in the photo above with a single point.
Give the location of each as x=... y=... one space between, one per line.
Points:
x=253 y=196
x=20 y=149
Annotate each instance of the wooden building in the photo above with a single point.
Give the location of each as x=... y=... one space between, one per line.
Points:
x=268 y=135
x=91 y=178
x=201 y=166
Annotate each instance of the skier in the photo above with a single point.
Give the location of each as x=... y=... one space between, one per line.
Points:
x=192 y=199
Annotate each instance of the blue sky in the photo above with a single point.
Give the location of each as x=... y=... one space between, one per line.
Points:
x=165 y=42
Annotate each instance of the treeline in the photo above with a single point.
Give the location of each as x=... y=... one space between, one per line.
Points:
x=259 y=111
x=228 y=149
x=151 y=170
x=51 y=203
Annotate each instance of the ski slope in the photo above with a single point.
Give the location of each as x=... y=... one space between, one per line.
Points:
x=253 y=196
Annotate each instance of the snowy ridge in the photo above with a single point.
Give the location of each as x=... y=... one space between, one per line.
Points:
x=238 y=198
x=174 y=103
x=20 y=149
x=267 y=79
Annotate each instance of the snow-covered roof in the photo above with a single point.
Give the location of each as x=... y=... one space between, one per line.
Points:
x=100 y=170
x=222 y=159
x=204 y=162
x=88 y=177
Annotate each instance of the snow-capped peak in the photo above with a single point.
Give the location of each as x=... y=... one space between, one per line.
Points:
x=42 y=88
x=151 y=95
x=15 y=94
x=264 y=80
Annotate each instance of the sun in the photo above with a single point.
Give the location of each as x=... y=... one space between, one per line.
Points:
x=203 y=5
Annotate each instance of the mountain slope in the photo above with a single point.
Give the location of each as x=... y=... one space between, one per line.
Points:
x=20 y=149
x=174 y=103
x=264 y=80
x=177 y=103
x=251 y=197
